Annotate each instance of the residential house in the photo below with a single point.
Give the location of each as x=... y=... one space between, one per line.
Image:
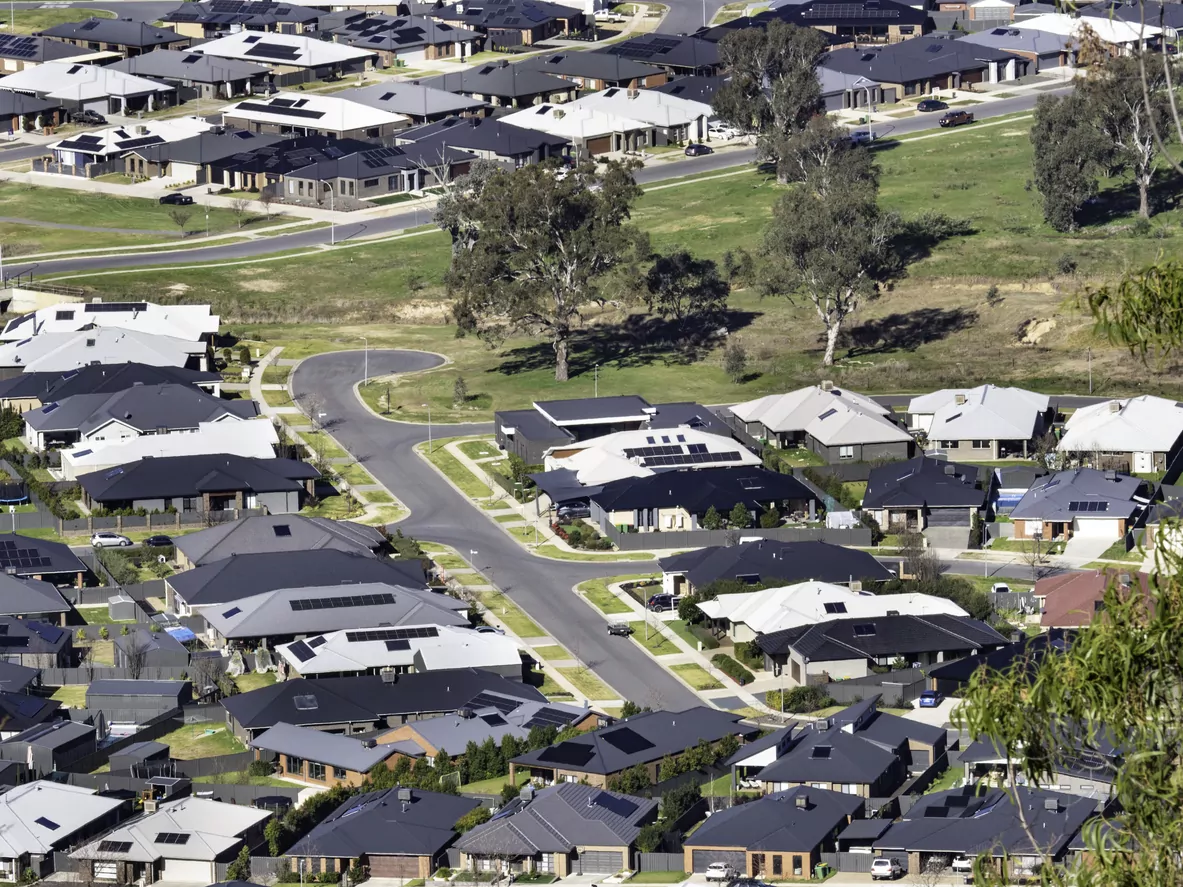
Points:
x=503 y=85
x=363 y=704
x=401 y=40
x=836 y=424
x=593 y=71
x=33 y=644
x=197 y=76
x=32 y=599
x=488 y=715
x=189 y=322
x=142 y=649
x=1117 y=36
x=674 y=120
x=31 y=558
x=967 y=822
x=28 y=391
x=183 y=840
x=565 y=829
x=209 y=19
x=19 y=712
x=418 y=103
x=857 y=21
x=1163 y=520
x=926 y=64
x=764 y=560
x=1138 y=434
x=50 y=746
x=1012 y=483
x=513 y=24
x=754 y=756
x=20 y=51
x=18 y=678
x=1080 y=764
x=853 y=647
x=640 y=741
x=27 y=113
x=591 y=133
x=1042 y=51
x=1162 y=14
x=395 y=833
x=122 y=35
x=204 y=483
x=488 y=139
x=63 y=352
x=987 y=422
x=242 y=575
x=134 y=412
x=953 y=676
x=926 y=494
x=192 y=158
x=41 y=818
x=407 y=648
x=286 y=614
x=678 y=500
x=264 y=533
x=91 y=88
x=1072 y=599
x=295 y=114
x=254 y=440
x=1084 y=501
x=842 y=91
x=291 y=58
x=319 y=758
x=678 y=56
x=143 y=759
x=746 y=616
x=779 y=836
x=694 y=87
x=121 y=699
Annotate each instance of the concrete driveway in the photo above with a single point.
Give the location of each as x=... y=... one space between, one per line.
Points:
x=940 y=716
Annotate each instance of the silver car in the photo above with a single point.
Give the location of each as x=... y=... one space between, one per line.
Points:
x=109 y=540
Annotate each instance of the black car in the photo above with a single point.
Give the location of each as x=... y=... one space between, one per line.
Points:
x=620 y=629
x=90 y=118
x=158 y=541
x=931 y=105
x=175 y=198
x=661 y=601
x=697 y=150
x=574 y=511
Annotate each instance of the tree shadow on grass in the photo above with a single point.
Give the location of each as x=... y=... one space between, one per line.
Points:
x=907 y=332
x=638 y=341
x=1120 y=203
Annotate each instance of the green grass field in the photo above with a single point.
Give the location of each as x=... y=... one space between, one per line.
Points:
x=455 y=470
x=355 y=474
x=696 y=676
x=254 y=681
x=323 y=445
x=587 y=683
x=377 y=497
x=451 y=561
x=277 y=398
x=493 y=785
x=553 y=653
x=72 y=696
x=26 y=21
x=597 y=593
x=193 y=741
x=510 y=614
x=657 y=643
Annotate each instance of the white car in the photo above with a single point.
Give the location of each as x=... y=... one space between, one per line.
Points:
x=886 y=868
x=721 y=871
x=722 y=132
x=963 y=865
x=109 y=540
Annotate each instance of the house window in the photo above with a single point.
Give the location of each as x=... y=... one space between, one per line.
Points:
x=907 y=29
x=981 y=444
x=797 y=866
x=315 y=770
x=778 y=864
x=293 y=764
x=339 y=773
x=372 y=132
x=949 y=444
x=909 y=89
x=545 y=862
x=370 y=183
x=796 y=671
x=392 y=183
x=189 y=504
x=846 y=452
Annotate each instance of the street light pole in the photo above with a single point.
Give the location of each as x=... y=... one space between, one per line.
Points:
x=332 y=218
x=366 y=378
x=597 y=378
x=428 y=427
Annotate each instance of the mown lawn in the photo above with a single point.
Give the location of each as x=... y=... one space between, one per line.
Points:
x=209 y=740
x=510 y=614
x=254 y=681
x=587 y=683
x=72 y=696
x=657 y=643
x=553 y=653
x=597 y=593
x=454 y=470
x=696 y=676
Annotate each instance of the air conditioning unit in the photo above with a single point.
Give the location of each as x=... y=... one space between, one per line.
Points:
x=149 y=806
x=141 y=130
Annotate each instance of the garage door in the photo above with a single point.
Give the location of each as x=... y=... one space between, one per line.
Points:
x=187 y=870
x=600 y=862
x=735 y=858
x=394 y=866
x=106 y=871
x=599 y=146
x=921 y=758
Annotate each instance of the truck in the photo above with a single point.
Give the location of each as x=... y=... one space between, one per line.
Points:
x=956 y=118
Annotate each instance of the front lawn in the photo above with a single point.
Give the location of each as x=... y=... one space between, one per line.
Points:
x=355 y=475
x=192 y=741
x=254 y=681
x=552 y=653
x=277 y=398
x=451 y=562
x=696 y=676
x=509 y=613
x=478 y=449
x=323 y=445
x=563 y=554
x=598 y=594
x=454 y=470
x=72 y=696
x=658 y=878
x=657 y=643
x=552 y=690
x=586 y=682
x=1119 y=552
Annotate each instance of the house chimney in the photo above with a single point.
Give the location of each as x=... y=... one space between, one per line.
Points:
x=1111 y=476
x=960 y=399
x=1115 y=406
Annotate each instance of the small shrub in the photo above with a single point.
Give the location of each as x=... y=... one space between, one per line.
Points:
x=1066 y=265
x=259 y=768
x=1141 y=227
x=735 y=361
x=732 y=669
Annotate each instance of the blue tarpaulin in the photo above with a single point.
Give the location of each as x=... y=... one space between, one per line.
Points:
x=181 y=633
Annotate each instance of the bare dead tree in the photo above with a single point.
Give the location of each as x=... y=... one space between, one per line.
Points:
x=932 y=874
x=1033 y=556
x=135 y=654
x=266 y=199
x=181 y=218
x=207 y=672
x=240 y=206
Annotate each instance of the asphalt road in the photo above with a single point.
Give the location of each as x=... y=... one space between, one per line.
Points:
x=440 y=514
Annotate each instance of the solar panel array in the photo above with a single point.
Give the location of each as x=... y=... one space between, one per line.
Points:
x=114 y=846
x=574 y=754
x=275 y=51
x=336 y=603
x=619 y=806
x=392 y=634
x=549 y=717
x=379 y=157
x=487 y=700
x=172 y=838
x=282 y=109
x=669 y=455
x=1088 y=506
x=627 y=740
x=300 y=650
x=864 y=630
x=18 y=47
x=835 y=607
x=398 y=646
x=847 y=10
x=47 y=823
x=21 y=558
x=316 y=642
x=113 y=307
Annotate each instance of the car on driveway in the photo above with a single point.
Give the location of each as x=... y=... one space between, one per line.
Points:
x=956 y=118
x=175 y=198
x=109 y=540
x=158 y=541
x=723 y=132
x=573 y=511
x=488 y=629
x=930 y=699
x=721 y=871
x=88 y=118
x=931 y=105
x=620 y=629
x=886 y=869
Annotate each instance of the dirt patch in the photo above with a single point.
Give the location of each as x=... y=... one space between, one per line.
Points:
x=424 y=312
x=179 y=289
x=1013 y=132
x=1036 y=329
x=263 y=285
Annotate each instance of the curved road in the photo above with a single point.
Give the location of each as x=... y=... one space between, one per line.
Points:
x=441 y=514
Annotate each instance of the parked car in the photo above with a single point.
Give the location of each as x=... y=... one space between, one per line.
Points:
x=88 y=118
x=1000 y=588
x=175 y=198
x=109 y=540
x=697 y=150
x=573 y=511
x=963 y=864
x=886 y=869
x=158 y=541
x=721 y=871
x=930 y=699
x=723 y=132
x=662 y=601
x=931 y=105
x=620 y=629
x=489 y=629
x=956 y=118
x=861 y=137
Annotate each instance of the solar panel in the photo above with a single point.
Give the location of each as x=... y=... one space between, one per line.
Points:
x=619 y=806
x=487 y=700
x=114 y=846
x=172 y=838
x=398 y=646
x=316 y=642
x=570 y=753
x=233 y=611
x=336 y=603
x=304 y=703
x=835 y=607
x=300 y=650
x=114 y=307
x=392 y=634
x=275 y=51
x=820 y=751
x=627 y=740
x=47 y=823
x=493 y=720
x=864 y=630
x=549 y=717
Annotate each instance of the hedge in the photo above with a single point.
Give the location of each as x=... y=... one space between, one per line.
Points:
x=732 y=669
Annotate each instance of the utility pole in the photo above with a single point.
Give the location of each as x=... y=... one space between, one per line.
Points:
x=596 y=374
x=429 y=447
x=1090 y=370
x=366 y=377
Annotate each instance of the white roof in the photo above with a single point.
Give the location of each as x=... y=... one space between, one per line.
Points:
x=295 y=50
x=642 y=452
x=63 y=80
x=1107 y=30
x=61 y=352
x=67 y=808
x=189 y=322
x=213 y=828
x=655 y=108
x=1145 y=424
x=332 y=113
x=834 y=417
x=429 y=647
x=987 y=412
x=572 y=122
x=114 y=139
x=252 y=438
x=807 y=603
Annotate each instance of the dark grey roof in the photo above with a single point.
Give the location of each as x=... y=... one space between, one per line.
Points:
x=366 y=698
x=697 y=88
x=532 y=425
x=244 y=575
x=844 y=13
x=511 y=15
x=208 y=147
x=279 y=532
x=176 y=64
x=14 y=103
x=1018 y=477
x=36 y=49
x=1162 y=15
x=412 y=99
x=690 y=414
x=594 y=409
x=499 y=79
x=646 y=737
x=19 y=712
x=54 y=734
x=130 y=687
x=965 y=822
x=324 y=748
x=380 y=161
x=142 y=640
x=882 y=636
x=1081 y=493
x=929 y=483
x=27 y=556
x=256 y=13
x=831 y=755
x=29 y=636
x=1027 y=648
x=143 y=750
x=397 y=33
x=179 y=476
x=590 y=65
x=393 y=822
x=687 y=53
x=122 y=31
x=485 y=134
x=917 y=59
x=17 y=678
x=864 y=829
x=146 y=408
x=560 y=818
x=798 y=819
x=768 y=740
x=765 y=559
x=99 y=379
x=23 y=597
x=697 y=491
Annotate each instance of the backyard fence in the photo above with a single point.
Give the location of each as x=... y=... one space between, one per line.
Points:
x=66 y=677
x=859 y=537
x=161 y=725
x=123 y=522
x=906 y=684
x=661 y=862
x=216 y=765
x=857 y=862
